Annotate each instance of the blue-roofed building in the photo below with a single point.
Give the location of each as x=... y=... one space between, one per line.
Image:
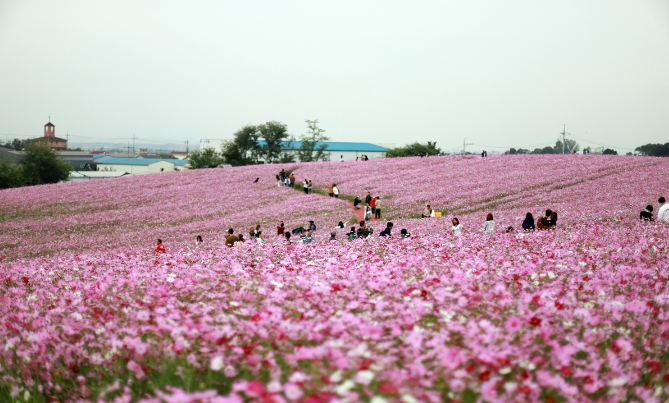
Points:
x=340 y=150
x=137 y=166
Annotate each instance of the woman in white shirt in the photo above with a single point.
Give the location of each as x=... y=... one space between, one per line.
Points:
x=489 y=225
x=457 y=227
x=335 y=190
x=368 y=213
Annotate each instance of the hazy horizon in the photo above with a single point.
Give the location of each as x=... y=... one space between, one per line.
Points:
x=500 y=74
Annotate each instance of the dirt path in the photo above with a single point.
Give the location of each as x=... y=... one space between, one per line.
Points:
x=360 y=213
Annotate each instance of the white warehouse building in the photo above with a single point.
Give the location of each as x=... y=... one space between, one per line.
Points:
x=137 y=166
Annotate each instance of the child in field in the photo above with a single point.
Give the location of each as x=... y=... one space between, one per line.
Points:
x=404 y=233
x=160 y=248
x=489 y=225
x=647 y=214
x=457 y=227
x=198 y=240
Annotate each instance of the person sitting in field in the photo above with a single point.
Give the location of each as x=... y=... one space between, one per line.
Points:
x=280 y=229
x=231 y=238
x=198 y=240
x=356 y=202
x=427 y=212
x=309 y=238
x=404 y=233
x=647 y=213
x=160 y=248
x=364 y=231
x=386 y=232
x=240 y=242
x=312 y=226
x=333 y=235
x=351 y=235
x=542 y=222
x=340 y=226
x=528 y=224
x=457 y=227
x=489 y=225
x=663 y=211
x=552 y=220
x=287 y=236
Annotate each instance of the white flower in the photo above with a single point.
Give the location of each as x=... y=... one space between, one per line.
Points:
x=216 y=363
x=364 y=377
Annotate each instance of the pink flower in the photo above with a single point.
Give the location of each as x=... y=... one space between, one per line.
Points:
x=513 y=324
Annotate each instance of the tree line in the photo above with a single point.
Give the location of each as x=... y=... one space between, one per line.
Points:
x=38 y=165
x=269 y=142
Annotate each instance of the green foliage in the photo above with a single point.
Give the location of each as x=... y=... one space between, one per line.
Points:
x=569 y=146
x=11 y=175
x=415 y=149
x=513 y=151
x=654 y=150
x=609 y=151
x=244 y=148
x=40 y=165
x=16 y=144
x=310 y=151
x=206 y=158
x=274 y=134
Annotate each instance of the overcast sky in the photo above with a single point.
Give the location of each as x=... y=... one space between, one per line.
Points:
x=500 y=73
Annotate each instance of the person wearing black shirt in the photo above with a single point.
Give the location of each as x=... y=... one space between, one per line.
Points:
x=528 y=224
x=386 y=232
x=368 y=199
x=647 y=214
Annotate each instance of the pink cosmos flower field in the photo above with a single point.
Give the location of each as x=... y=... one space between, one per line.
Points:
x=580 y=313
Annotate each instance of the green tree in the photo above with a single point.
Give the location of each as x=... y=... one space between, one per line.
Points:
x=654 y=150
x=41 y=165
x=206 y=158
x=609 y=151
x=11 y=175
x=415 y=149
x=274 y=133
x=244 y=148
x=569 y=146
x=310 y=149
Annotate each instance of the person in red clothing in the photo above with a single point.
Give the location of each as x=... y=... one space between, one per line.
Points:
x=372 y=204
x=160 y=248
x=280 y=229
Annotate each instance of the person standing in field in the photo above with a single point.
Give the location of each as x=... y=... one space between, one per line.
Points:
x=311 y=187
x=280 y=229
x=330 y=191
x=335 y=190
x=160 y=248
x=372 y=204
x=368 y=213
x=292 y=178
x=377 y=208
x=489 y=225
x=306 y=186
x=368 y=198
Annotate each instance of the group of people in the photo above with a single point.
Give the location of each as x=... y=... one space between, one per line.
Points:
x=283 y=179
x=662 y=212
x=484 y=153
x=372 y=206
x=333 y=191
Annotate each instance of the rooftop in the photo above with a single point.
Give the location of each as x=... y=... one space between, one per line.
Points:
x=334 y=146
x=140 y=161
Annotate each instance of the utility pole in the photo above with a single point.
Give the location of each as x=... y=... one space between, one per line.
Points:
x=133 y=144
x=128 y=147
x=186 y=148
x=563 y=134
x=464 y=145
